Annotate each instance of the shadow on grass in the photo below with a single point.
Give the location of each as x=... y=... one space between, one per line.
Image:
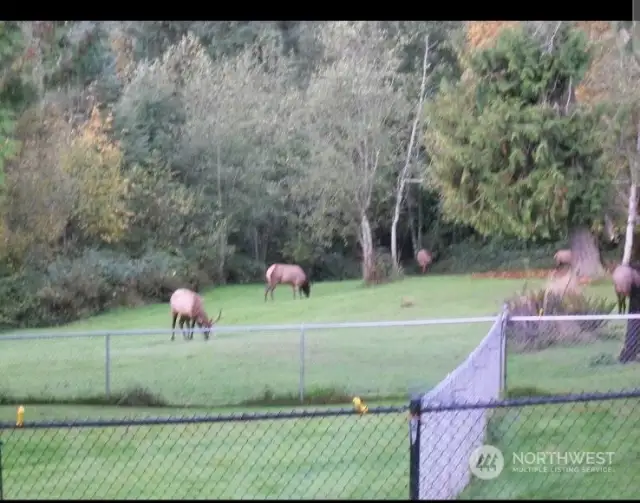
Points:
x=143 y=397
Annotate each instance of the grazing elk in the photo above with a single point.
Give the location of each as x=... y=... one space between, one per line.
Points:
x=624 y=278
x=187 y=306
x=562 y=257
x=424 y=258
x=287 y=274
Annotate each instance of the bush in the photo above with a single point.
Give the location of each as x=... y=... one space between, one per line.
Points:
x=537 y=335
x=20 y=307
x=383 y=268
x=98 y=280
x=478 y=256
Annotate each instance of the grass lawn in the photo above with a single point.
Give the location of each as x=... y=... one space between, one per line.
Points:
x=344 y=457
x=234 y=367
x=609 y=426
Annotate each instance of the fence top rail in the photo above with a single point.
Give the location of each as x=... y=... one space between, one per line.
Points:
x=577 y=317
x=436 y=406
x=297 y=327
x=200 y=419
x=254 y=328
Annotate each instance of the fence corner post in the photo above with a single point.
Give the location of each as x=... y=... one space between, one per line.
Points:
x=107 y=366
x=503 y=348
x=302 y=358
x=415 y=408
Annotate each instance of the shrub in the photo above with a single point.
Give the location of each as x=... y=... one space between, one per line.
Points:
x=537 y=335
x=474 y=256
x=99 y=279
x=383 y=268
x=19 y=307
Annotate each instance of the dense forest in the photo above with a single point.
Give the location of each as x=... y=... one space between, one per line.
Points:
x=137 y=157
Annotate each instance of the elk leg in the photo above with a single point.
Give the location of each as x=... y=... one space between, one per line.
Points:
x=293 y=287
x=191 y=327
x=181 y=324
x=622 y=303
x=173 y=326
x=266 y=292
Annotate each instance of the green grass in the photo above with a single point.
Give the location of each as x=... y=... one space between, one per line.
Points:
x=303 y=458
x=346 y=457
x=231 y=368
x=610 y=426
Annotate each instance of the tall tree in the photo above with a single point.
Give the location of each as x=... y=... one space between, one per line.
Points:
x=354 y=119
x=506 y=153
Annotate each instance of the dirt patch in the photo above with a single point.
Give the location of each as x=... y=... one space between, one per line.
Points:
x=532 y=273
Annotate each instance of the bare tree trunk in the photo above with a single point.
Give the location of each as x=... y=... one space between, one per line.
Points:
x=366 y=242
x=631 y=224
x=585 y=255
x=402 y=178
x=413 y=231
x=222 y=244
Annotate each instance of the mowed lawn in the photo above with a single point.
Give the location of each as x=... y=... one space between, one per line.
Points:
x=346 y=457
x=611 y=426
x=230 y=368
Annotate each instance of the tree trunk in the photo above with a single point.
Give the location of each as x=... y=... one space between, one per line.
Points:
x=366 y=242
x=631 y=347
x=404 y=174
x=413 y=231
x=394 y=225
x=585 y=255
x=631 y=224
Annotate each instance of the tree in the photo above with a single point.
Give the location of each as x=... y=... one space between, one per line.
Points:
x=353 y=120
x=39 y=202
x=405 y=173
x=94 y=163
x=506 y=154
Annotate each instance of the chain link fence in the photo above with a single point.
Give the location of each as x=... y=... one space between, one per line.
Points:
x=282 y=365
x=322 y=454
x=581 y=447
x=571 y=354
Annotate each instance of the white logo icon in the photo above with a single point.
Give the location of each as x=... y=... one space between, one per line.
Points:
x=486 y=462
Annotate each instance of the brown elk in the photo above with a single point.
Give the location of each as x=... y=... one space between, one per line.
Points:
x=424 y=258
x=562 y=257
x=624 y=278
x=187 y=306
x=287 y=274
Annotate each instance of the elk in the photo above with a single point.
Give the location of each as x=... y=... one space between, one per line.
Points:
x=287 y=274
x=624 y=278
x=562 y=257
x=187 y=306
x=424 y=258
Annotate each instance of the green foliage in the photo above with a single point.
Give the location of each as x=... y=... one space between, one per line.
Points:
x=506 y=160
x=475 y=255
x=72 y=288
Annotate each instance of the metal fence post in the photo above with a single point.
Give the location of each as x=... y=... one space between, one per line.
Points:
x=107 y=365
x=503 y=350
x=1 y=477
x=302 y=354
x=415 y=408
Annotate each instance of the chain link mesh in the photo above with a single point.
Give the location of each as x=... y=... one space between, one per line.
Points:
x=327 y=454
x=560 y=447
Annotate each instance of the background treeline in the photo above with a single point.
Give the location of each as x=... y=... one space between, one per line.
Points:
x=137 y=157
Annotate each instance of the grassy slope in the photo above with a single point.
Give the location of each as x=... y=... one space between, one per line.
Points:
x=343 y=457
x=236 y=367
